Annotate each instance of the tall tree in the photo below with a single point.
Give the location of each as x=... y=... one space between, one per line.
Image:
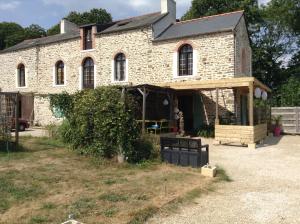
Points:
x=286 y=13
x=207 y=7
x=274 y=32
x=99 y=16
x=34 y=31
x=10 y=34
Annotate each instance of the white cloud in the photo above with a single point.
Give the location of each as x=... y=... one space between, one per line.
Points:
x=9 y=5
x=139 y=3
x=118 y=8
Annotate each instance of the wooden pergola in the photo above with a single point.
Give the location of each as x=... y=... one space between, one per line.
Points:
x=144 y=90
x=230 y=133
x=14 y=98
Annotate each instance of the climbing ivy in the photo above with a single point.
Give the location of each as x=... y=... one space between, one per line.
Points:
x=100 y=121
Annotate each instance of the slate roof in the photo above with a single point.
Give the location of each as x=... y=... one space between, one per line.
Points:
x=42 y=41
x=204 y=25
x=134 y=22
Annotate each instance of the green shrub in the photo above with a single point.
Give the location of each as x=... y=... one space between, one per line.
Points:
x=98 y=122
x=206 y=131
x=64 y=132
x=143 y=150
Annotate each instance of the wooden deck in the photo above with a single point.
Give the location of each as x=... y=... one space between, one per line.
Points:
x=248 y=135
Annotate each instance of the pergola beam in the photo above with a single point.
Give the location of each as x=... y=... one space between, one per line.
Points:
x=213 y=84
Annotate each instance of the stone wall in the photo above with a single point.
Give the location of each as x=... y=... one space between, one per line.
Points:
x=226 y=104
x=148 y=62
x=243 y=50
x=8 y=69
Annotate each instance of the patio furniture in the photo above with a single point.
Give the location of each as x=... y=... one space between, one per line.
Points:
x=159 y=126
x=184 y=151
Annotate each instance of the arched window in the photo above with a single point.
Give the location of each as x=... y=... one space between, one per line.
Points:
x=59 y=73
x=120 y=67
x=186 y=60
x=88 y=74
x=21 y=76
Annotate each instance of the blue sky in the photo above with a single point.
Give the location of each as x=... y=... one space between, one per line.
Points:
x=49 y=12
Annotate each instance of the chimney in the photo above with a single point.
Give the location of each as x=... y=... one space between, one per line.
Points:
x=169 y=6
x=67 y=27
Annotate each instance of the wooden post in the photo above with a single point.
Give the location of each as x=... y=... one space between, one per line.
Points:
x=217 y=121
x=17 y=121
x=144 y=94
x=170 y=97
x=251 y=105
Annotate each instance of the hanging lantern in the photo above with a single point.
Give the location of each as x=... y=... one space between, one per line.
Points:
x=176 y=110
x=165 y=102
x=264 y=95
x=257 y=93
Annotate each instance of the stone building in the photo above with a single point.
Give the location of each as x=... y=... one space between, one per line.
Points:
x=153 y=49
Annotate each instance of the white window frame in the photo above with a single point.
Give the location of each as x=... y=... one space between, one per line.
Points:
x=26 y=78
x=80 y=71
x=54 y=76
x=176 y=65
x=113 y=64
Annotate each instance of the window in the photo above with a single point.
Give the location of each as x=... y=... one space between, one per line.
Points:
x=186 y=60
x=21 y=76
x=120 y=67
x=59 y=73
x=88 y=39
x=88 y=74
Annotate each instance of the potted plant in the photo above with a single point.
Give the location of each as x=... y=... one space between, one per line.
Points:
x=277 y=127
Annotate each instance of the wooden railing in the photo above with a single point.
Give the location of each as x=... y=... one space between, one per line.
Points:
x=240 y=134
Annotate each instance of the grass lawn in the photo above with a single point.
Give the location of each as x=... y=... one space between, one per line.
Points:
x=46 y=182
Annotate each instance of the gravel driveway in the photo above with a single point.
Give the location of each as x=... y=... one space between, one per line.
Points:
x=265 y=187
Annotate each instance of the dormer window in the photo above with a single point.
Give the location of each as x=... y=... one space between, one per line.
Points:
x=88 y=39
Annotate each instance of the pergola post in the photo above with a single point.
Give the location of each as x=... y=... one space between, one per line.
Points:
x=17 y=120
x=144 y=94
x=170 y=97
x=251 y=105
x=217 y=121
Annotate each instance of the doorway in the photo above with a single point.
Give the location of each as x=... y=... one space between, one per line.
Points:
x=186 y=105
x=244 y=110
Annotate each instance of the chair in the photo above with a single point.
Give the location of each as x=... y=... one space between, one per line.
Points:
x=159 y=126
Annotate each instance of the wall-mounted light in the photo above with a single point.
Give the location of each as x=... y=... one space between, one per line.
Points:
x=165 y=102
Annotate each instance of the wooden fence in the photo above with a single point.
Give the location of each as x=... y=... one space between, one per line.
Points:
x=290 y=118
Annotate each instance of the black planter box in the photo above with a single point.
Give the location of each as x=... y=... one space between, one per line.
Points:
x=184 y=152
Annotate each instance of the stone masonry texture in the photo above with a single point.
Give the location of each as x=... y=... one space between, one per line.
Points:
x=219 y=56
